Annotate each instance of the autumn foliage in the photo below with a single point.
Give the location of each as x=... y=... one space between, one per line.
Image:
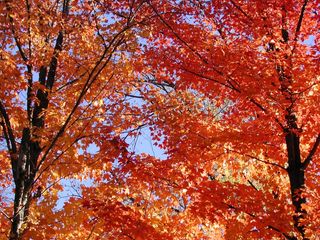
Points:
x=227 y=90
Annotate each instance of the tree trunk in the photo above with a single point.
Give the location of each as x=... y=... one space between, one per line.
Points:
x=297 y=177
x=21 y=211
x=24 y=169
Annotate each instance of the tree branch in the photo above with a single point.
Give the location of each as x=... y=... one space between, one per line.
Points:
x=15 y=37
x=278 y=230
x=313 y=150
x=229 y=80
x=241 y=10
x=79 y=137
x=91 y=232
x=300 y=19
x=252 y=185
x=6 y=215
x=239 y=209
x=8 y=129
x=258 y=159
x=211 y=79
x=90 y=80
x=42 y=95
x=92 y=77
x=176 y=34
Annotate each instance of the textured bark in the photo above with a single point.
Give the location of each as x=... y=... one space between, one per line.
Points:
x=23 y=172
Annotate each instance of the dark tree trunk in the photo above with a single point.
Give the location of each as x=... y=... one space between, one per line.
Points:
x=23 y=173
x=297 y=177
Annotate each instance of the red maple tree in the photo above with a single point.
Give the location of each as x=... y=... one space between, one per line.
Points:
x=229 y=90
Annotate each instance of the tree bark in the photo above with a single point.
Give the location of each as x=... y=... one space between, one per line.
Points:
x=23 y=173
x=296 y=174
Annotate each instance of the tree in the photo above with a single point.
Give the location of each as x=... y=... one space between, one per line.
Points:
x=256 y=64
x=65 y=74
x=228 y=89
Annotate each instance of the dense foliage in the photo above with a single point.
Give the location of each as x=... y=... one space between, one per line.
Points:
x=229 y=90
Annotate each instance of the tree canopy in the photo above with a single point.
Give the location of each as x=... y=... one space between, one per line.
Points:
x=228 y=90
